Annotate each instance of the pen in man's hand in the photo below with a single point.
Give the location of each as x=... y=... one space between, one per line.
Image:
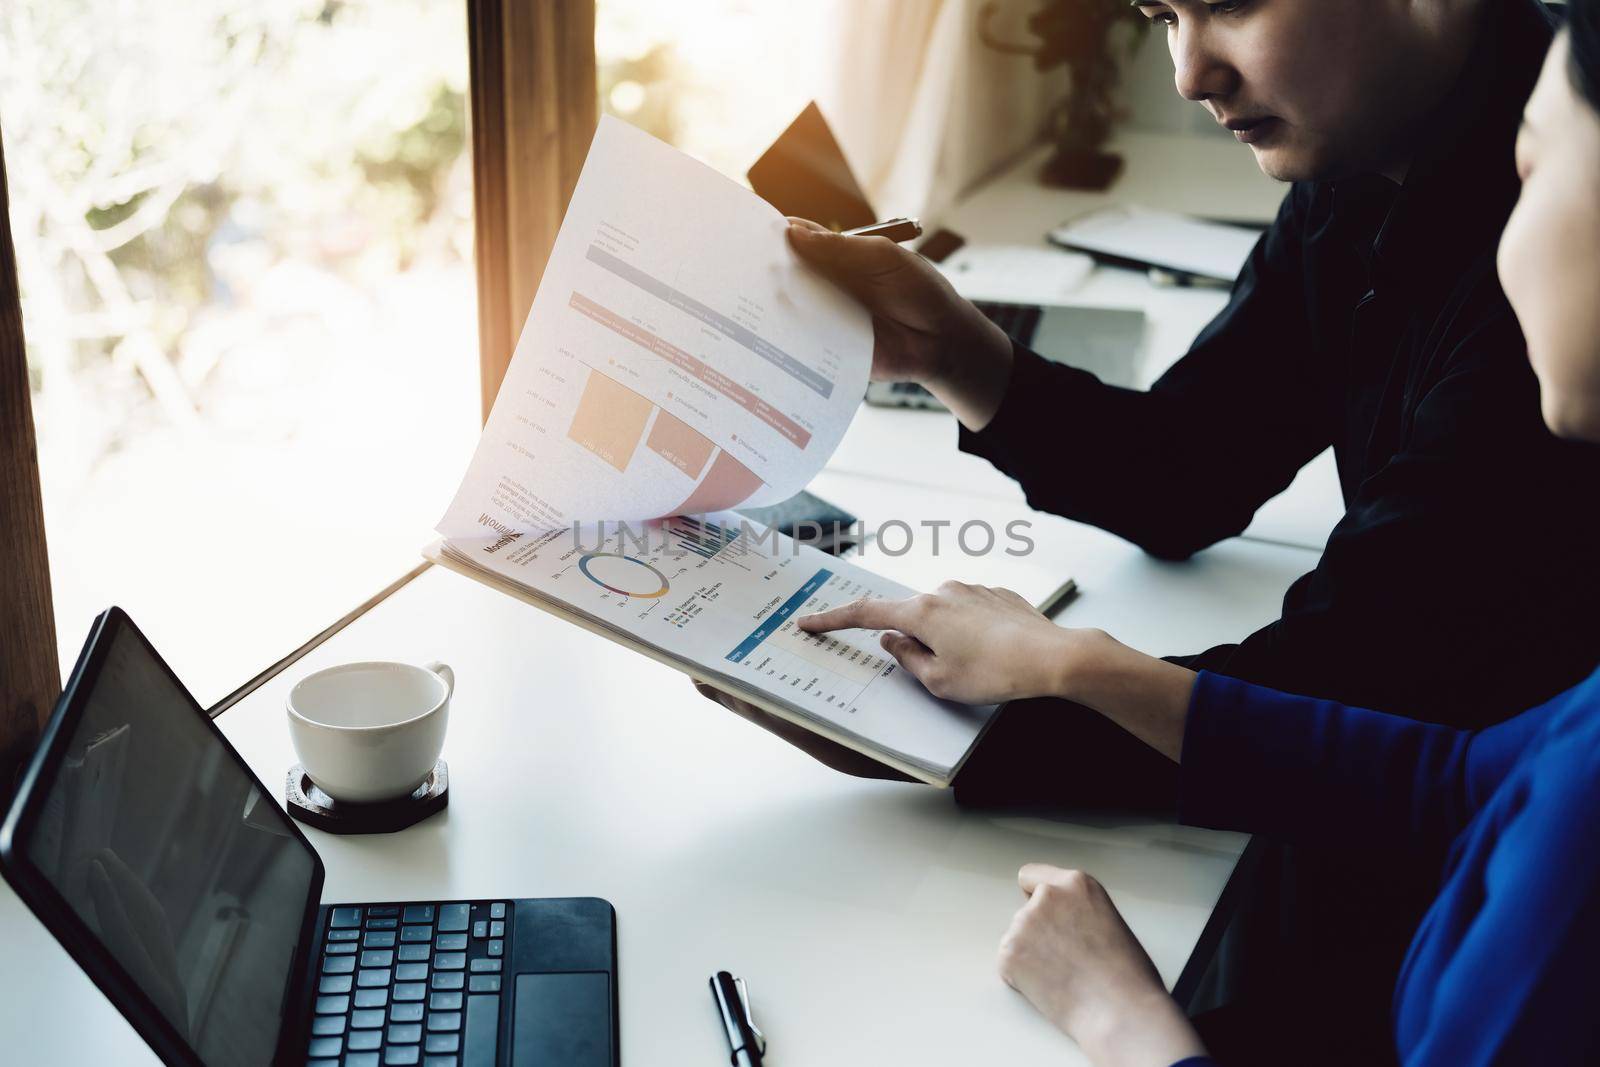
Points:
x=896 y=230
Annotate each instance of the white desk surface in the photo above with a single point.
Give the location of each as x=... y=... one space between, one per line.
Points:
x=1210 y=177
x=865 y=914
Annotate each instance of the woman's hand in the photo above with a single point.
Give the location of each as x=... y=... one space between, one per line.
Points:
x=968 y=643
x=923 y=330
x=1071 y=954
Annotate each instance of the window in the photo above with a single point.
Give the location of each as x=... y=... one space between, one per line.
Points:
x=719 y=79
x=244 y=235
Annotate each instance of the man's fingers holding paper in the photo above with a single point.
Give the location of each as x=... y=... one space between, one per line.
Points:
x=846 y=256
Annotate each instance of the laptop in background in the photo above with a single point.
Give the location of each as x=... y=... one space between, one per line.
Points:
x=142 y=840
x=805 y=174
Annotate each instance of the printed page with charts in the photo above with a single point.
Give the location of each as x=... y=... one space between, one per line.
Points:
x=679 y=360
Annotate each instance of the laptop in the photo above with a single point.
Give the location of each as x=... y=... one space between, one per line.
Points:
x=805 y=174
x=172 y=876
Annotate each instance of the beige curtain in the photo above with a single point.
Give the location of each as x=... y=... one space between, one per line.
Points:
x=922 y=108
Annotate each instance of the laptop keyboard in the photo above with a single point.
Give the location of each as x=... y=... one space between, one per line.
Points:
x=410 y=984
x=1019 y=321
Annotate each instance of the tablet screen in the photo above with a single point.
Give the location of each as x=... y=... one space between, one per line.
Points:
x=169 y=852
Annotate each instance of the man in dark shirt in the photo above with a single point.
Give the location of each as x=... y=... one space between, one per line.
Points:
x=1457 y=585
x=1369 y=318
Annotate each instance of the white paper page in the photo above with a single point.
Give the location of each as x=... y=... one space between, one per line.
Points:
x=1016 y=274
x=1162 y=238
x=678 y=357
x=723 y=593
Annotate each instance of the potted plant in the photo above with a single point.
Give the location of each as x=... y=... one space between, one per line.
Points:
x=1080 y=34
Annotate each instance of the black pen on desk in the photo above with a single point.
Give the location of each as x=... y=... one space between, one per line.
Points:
x=896 y=230
x=746 y=1043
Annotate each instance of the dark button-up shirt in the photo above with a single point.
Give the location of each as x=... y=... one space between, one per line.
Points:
x=1459 y=585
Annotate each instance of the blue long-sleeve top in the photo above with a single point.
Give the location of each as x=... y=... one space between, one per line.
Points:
x=1501 y=970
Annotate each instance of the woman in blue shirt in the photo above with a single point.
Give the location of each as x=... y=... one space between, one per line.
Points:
x=1499 y=970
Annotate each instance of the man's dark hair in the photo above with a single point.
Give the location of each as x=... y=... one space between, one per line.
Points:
x=1583 y=30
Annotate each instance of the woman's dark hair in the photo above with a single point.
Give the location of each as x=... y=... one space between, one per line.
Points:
x=1583 y=31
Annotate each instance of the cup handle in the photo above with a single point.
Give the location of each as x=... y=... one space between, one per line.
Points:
x=443 y=670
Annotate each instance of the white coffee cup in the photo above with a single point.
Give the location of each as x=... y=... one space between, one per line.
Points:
x=367 y=732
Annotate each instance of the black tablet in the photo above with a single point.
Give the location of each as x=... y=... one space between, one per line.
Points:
x=142 y=840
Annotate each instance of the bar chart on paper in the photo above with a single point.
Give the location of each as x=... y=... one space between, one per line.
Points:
x=812 y=668
x=612 y=419
x=668 y=371
x=664 y=369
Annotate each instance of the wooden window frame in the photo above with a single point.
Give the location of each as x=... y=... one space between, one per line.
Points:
x=30 y=672
x=535 y=105
x=534 y=109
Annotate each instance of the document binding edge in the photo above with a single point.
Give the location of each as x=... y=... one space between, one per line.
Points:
x=435 y=553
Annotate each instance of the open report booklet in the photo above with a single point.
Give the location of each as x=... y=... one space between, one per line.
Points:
x=678 y=361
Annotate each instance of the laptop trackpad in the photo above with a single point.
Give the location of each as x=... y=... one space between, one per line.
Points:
x=562 y=1019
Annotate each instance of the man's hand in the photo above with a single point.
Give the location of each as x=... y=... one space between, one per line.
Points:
x=978 y=645
x=967 y=643
x=1071 y=954
x=923 y=330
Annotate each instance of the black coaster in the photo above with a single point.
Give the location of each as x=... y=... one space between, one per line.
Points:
x=315 y=808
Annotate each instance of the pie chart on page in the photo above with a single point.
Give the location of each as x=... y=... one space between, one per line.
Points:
x=624 y=575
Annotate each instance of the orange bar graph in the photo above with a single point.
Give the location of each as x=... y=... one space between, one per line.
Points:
x=796 y=434
x=680 y=444
x=610 y=420
x=728 y=483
